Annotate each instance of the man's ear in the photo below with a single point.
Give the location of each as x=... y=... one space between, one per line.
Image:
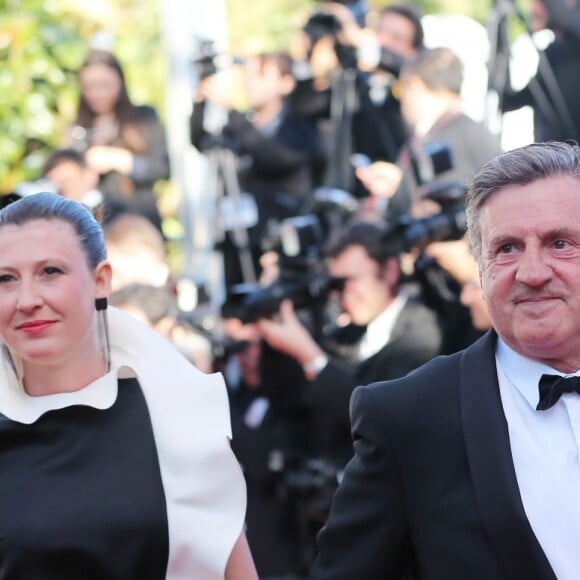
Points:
x=391 y=272
x=287 y=85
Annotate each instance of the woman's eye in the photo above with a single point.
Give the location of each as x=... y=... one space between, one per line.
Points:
x=5 y=278
x=51 y=271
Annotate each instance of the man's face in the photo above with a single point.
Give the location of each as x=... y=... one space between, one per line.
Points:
x=531 y=268
x=265 y=84
x=538 y=15
x=396 y=33
x=367 y=289
x=415 y=99
x=72 y=180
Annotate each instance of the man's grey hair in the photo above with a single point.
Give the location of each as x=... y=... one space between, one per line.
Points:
x=519 y=166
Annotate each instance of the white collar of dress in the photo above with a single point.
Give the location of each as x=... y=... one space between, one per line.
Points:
x=128 y=358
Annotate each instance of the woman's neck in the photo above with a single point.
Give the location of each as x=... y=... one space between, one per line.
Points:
x=51 y=380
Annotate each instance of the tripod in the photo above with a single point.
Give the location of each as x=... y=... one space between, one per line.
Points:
x=343 y=105
x=233 y=212
x=547 y=95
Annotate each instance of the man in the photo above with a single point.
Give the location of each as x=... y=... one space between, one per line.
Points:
x=461 y=469
x=552 y=93
x=278 y=152
x=74 y=179
x=431 y=104
x=352 y=74
x=456 y=258
x=399 y=38
x=390 y=332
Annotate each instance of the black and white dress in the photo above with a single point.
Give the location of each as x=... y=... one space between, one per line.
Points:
x=132 y=477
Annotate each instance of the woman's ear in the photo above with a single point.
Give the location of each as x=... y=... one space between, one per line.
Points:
x=103 y=278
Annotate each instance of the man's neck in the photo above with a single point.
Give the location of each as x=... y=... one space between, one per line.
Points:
x=267 y=113
x=438 y=108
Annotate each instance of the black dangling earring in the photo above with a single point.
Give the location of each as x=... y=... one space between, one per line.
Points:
x=101 y=305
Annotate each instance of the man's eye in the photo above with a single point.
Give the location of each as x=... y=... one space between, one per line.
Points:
x=560 y=244
x=506 y=249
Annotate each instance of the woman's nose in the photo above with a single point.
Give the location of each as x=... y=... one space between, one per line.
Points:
x=29 y=297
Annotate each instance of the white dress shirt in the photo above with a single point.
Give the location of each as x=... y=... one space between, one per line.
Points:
x=545 y=447
x=379 y=331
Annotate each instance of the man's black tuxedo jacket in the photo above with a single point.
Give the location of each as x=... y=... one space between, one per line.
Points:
x=431 y=492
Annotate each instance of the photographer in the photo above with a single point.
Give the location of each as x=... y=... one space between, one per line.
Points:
x=552 y=93
x=430 y=87
x=389 y=333
x=278 y=152
x=352 y=74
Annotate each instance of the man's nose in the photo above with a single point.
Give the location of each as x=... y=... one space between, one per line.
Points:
x=533 y=267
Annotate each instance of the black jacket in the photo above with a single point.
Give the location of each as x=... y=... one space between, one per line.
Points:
x=432 y=488
x=279 y=170
x=416 y=339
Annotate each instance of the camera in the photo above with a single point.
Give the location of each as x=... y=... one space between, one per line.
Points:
x=357 y=7
x=302 y=279
x=298 y=243
x=322 y=24
x=429 y=160
x=209 y=61
x=448 y=224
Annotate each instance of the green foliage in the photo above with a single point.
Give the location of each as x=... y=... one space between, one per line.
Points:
x=38 y=49
x=42 y=44
x=265 y=25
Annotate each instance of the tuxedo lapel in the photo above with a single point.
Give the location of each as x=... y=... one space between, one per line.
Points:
x=491 y=466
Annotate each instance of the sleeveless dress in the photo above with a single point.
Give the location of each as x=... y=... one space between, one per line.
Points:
x=130 y=478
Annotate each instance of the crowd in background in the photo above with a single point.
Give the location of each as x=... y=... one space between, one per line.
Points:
x=368 y=138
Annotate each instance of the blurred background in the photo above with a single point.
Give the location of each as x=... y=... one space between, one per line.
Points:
x=43 y=42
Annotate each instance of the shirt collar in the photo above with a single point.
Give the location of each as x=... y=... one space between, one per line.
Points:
x=524 y=373
x=379 y=330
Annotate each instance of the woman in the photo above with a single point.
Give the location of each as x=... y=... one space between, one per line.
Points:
x=125 y=143
x=114 y=450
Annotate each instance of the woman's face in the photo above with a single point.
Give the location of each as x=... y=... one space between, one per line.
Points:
x=47 y=294
x=100 y=86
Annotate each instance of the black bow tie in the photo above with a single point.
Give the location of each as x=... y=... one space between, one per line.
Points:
x=552 y=387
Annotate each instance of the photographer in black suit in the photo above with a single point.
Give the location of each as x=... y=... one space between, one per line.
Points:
x=278 y=152
x=388 y=333
x=467 y=467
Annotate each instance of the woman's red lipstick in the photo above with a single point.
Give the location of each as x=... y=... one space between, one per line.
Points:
x=35 y=326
